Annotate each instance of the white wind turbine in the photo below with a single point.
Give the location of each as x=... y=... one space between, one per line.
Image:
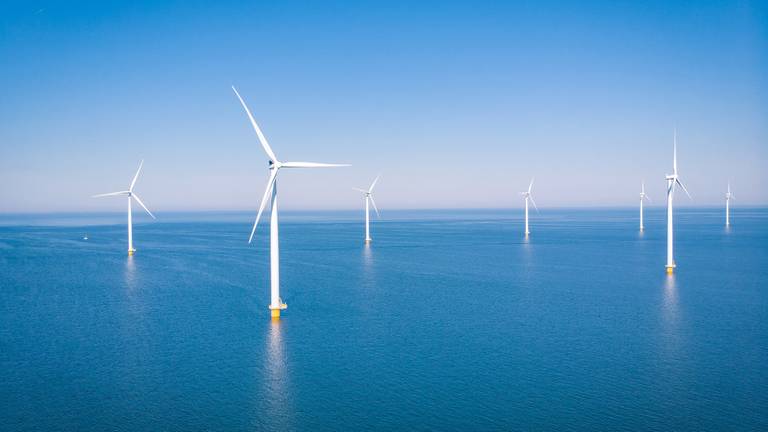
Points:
x=276 y=304
x=728 y=197
x=528 y=196
x=130 y=194
x=672 y=181
x=643 y=197
x=369 y=198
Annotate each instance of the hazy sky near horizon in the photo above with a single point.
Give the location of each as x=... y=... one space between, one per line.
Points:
x=457 y=104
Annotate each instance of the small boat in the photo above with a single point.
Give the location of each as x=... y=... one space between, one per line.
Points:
x=86 y=237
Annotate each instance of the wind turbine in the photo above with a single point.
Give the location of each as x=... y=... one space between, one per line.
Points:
x=130 y=194
x=728 y=197
x=528 y=196
x=643 y=197
x=369 y=198
x=672 y=180
x=276 y=303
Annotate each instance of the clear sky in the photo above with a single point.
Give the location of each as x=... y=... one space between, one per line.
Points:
x=457 y=104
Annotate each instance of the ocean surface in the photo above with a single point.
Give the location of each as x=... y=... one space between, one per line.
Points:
x=450 y=320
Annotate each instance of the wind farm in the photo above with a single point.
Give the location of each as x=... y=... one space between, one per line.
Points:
x=428 y=290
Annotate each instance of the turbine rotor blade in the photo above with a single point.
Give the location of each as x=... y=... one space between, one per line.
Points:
x=374 y=206
x=138 y=200
x=267 y=191
x=674 y=154
x=110 y=194
x=370 y=189
x=360 y=190
x=310 y=165
x=262 y=138
x=136 y=176
x=530 y=186
x=684 y=189
x=647 y=197
x=534 y=203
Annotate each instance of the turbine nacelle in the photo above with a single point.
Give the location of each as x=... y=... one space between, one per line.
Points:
x=529 y=196
x=369 y=193
x=274 y=163
x=129 y=193
x=643 y=195
x=673 y=178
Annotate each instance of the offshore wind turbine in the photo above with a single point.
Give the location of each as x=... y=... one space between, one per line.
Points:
x=369 y=198
x=131 y=195
x=643 y=197
x=276 y=303
x=672 y=181
x=728 y=197
x=528 y=196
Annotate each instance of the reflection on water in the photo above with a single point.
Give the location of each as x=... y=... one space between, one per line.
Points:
x=670 y=299
x=276 y=385
x=367 y=258
x=129 y=274
x=135 y=296
x=527 y=257
x=670 y=316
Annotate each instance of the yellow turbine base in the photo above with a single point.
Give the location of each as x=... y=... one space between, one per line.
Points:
x=275 y=311
x=130 y=252
x=670 y=270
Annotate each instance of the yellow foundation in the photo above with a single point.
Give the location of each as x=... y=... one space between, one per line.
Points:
x=130 y=252
x=670 y=270
x=275 y=311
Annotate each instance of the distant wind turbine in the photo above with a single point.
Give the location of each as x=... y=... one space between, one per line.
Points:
x=130 y=194
x=276 y=304
x=528 y=196
x=672 y=181
x=369 y=197
x=728 y=197
x=643 y=197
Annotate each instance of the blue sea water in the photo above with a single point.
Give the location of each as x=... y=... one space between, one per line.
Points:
x=448 y=321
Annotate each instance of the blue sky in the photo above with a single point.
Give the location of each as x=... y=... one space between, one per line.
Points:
x=457 y=104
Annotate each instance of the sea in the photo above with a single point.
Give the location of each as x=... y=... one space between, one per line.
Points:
x=450 y=320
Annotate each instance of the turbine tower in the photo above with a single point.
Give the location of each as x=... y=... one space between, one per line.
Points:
x=728 y=197
x=672 y=181
x=643 y=197
x=276 y=304
x=131 y=195
x=369 y=197
x=528 y=196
